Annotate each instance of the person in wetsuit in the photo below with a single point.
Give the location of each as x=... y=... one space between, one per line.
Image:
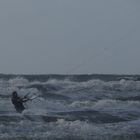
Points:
x=18 y=102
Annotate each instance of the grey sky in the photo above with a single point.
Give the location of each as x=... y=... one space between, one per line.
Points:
x=69 y=36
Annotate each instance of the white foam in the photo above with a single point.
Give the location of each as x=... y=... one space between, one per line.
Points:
x=63 y=129
x=18 y=81
x=106 y=105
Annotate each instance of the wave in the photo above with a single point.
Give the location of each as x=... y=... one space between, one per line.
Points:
x=128 y=109
x=132 y=98
x=91 y=116
x=87 y=115
x=57 y=85
x=71 y=130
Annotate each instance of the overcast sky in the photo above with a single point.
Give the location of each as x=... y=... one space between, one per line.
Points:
x=70 y=36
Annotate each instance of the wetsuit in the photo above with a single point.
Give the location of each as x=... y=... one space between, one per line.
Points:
x=18 y=103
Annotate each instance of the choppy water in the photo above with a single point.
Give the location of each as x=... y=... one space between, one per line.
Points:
x=80 y=107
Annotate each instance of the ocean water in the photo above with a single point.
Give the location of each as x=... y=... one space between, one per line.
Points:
x=71 y=107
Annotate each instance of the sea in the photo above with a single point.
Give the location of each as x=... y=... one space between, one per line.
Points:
x=71 y=107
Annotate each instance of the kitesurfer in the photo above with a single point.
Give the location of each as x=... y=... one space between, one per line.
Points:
x=18 y=102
